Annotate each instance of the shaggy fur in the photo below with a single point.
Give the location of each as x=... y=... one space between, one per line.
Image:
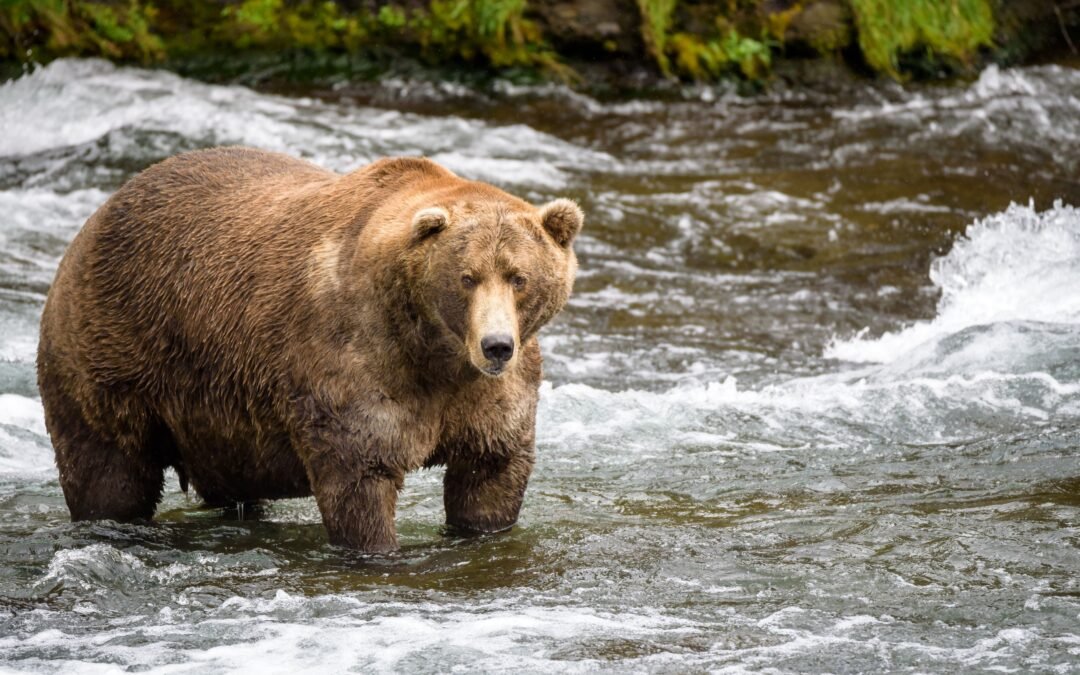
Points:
x=272 y=329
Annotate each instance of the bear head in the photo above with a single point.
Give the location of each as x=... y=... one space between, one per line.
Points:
x=493 y=269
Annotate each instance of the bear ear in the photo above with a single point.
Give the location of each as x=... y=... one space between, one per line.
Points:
x=562 y=219
x=429 y=221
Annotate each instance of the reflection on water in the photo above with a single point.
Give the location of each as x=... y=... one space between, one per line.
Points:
x=814 y=406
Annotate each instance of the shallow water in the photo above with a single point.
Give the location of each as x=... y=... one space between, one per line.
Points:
x=815 y=404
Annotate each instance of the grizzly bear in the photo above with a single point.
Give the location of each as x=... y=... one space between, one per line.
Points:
x=271 y=329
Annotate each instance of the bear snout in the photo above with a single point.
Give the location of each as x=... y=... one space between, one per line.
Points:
x=493 y=329
x=494 y=354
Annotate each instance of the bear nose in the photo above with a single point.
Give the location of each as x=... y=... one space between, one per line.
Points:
x=497 y=348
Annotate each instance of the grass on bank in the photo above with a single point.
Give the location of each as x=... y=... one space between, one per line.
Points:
x=944 y=30
x=688 y=39
x=121 y=31
x=491 y=32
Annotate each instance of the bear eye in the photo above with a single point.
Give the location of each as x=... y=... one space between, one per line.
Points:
x=518 y=282
x=468 y=281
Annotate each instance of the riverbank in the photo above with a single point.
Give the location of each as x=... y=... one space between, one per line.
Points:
x=591 y=44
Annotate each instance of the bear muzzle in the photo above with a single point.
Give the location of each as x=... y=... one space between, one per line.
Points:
x=493 y=338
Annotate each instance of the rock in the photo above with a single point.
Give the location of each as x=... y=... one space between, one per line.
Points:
x=590 y=26
x=823 y=27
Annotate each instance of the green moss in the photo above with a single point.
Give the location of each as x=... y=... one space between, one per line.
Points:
x=251 y=23
x=710 y=59
x=691 y=39
x=392 y=17
x=656 y=18
x=272 y=24
x=495 y=30
x=950 y=31
x=487 y=32
x=723 y=50
x=119 y=30
x=895 y=36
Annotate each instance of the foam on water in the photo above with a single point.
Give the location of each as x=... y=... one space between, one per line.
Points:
x=134 y=111
x=1045 y=97
x=25 y=450
x=277 y=632
x=281 y=631
x=1003 y=352
x=331 y=633
x=22 y=412
x=1019 y=265
x=35 y=227
x=820 y=413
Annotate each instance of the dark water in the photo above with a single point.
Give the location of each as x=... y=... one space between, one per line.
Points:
x=815 y=405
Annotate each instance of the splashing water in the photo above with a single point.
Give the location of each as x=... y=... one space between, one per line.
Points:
x=1014 y=266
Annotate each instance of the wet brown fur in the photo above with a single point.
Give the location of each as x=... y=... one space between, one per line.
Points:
x=272 y=329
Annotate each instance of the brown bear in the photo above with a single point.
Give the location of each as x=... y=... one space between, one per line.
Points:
x=272 y=329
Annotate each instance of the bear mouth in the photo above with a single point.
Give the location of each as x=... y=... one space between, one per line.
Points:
x=494 y=370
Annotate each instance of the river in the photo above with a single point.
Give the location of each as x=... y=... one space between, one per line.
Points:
x=814 y=405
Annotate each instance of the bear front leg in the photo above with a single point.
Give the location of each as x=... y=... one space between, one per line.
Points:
x=352 y=472
x=357 y=503
x=484 y=493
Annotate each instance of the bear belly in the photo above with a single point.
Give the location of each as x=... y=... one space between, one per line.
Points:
x=245 y=467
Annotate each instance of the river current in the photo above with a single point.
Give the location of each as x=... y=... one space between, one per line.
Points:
x=814 y=405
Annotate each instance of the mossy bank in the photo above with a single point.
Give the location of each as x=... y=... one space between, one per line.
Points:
x=586 y=42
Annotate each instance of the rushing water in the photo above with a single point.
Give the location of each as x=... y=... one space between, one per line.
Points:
x=814 y=406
